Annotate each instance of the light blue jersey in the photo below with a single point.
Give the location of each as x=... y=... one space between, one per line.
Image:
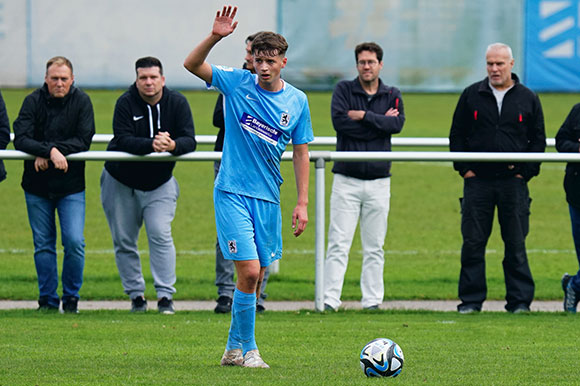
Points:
x=259 y=125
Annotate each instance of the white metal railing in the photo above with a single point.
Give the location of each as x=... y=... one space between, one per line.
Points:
x=324 y=141
x=320 y=158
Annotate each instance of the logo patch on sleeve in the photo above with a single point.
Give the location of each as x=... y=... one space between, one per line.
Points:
x=261 y=129
x=232 y=247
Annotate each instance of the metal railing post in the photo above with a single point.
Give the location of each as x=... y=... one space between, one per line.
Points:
x=319 y=235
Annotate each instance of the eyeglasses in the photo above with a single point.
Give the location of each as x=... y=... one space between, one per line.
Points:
x=370 y=63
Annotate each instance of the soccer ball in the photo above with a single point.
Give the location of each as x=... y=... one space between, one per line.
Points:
x=381 y=358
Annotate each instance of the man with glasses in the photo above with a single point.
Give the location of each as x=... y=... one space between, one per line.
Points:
x=365 y=113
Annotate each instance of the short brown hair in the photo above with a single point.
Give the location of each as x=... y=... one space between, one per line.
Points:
x=369 y=46
x=59 y=61
x=269 y=43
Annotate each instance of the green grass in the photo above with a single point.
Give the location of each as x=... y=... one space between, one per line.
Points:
x=114 y=347
x=423 y=240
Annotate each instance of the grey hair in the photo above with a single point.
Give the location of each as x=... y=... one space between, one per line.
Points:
x=500 y=45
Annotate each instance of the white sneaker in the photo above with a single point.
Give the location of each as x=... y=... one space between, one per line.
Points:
x=253 y=359
x=232 y=358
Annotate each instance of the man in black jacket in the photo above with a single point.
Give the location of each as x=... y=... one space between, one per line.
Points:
x=568 y=141
x=4 y=135
x=148 y=118
x=56 y=120
x=365 y=113
x=497 y=114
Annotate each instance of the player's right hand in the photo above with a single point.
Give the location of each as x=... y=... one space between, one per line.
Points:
x=224 y=24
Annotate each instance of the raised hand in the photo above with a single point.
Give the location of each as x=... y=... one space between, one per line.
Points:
x=224 y=24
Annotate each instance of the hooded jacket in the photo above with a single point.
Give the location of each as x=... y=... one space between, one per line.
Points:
x=135 y=124
x=45 y=122
x=372 y=133
x=478 y=127
x=568 y=141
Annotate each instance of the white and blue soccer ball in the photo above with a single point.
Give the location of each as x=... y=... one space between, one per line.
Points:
x=381 y=358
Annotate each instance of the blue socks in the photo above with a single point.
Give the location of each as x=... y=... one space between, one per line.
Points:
x=243 y=322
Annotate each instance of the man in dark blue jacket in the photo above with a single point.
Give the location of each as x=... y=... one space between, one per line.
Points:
x=497 y=114
x=568 y=141
x=4 y=134
x=148 y=118
x=365 y=113
x=56 y=120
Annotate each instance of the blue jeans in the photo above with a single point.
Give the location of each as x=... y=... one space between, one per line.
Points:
x=41 y=215
x=575 y=220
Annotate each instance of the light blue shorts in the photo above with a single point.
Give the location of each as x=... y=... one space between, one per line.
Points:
x=248 y=228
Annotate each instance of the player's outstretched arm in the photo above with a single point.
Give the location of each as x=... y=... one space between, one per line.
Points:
x=223 y=26
x=301 y=161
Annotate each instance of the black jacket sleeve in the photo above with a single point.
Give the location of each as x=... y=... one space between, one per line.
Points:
x=568 y=137
x=218 y=113
x=4 y=125
x=24 y=126
x=371 y=127
x=458 y=132
x=384 y=124
x=536 y=139
x=184 y=131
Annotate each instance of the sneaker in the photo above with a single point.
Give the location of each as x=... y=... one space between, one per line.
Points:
x=260 y=308
x=373 y=307
x=468 y=308
x=70 y=305
x=45 y=306
x=253 y=359
x=232 y=358
x=138 y=304
x=571 y=297
x=329 y=308
x=520 y=309
x=165 y=306
x=224 y=305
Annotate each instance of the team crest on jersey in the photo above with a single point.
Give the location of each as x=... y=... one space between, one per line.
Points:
x=284 y=119
x=232 y=247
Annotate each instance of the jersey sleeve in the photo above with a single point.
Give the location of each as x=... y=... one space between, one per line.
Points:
x=303 y=132
x=225 y=79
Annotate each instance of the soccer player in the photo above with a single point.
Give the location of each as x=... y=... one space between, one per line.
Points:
x=224 y=269
x=263 y=113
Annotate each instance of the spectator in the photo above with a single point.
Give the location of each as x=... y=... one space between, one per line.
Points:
x=224 y=269
x=263 y=113
x=568 y=141
x=365 y=113
x=148 y=118
x=56 y=120
x=497 y=114
x=4 y=135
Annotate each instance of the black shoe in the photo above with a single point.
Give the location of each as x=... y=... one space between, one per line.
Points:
x=224 y=305
x=165 y=306
x=44 y=306
x=520 y=308
x=468 y=308
x=260 y=308
x=70 y=305
x=138 y=304
x=372 y=308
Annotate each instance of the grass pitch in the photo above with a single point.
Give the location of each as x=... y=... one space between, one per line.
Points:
x=115 y=347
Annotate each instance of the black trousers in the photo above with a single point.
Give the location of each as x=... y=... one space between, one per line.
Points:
x=480 y=198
